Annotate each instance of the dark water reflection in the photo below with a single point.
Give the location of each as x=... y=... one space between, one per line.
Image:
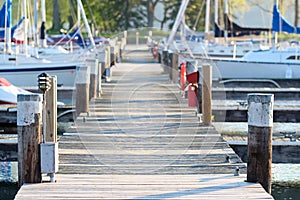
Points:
x=8 y=191
x=280 y=192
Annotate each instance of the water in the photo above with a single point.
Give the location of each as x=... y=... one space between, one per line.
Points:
x=286 y=181
x=285 y=177
x=8 y=180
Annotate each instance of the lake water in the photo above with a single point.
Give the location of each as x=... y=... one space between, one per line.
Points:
x=285 y=177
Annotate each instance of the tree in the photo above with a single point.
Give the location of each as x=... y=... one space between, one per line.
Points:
x=151 y=4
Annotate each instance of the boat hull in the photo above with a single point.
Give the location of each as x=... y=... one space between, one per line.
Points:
x=238 y=69
x=26 y=75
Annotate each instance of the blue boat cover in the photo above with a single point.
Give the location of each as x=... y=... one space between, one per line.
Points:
x=280 y=24
x=5 y=16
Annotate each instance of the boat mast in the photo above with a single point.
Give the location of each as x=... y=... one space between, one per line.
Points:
x=207 y=19
x=81 y=10
x=216 y=15
x=43 y=25
x=7 y=26
x=178 y=20
x=36 y=44
x=25 y=28
x=225 y=16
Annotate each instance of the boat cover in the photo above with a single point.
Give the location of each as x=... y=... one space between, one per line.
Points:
x=9 y=92
x=280 y=24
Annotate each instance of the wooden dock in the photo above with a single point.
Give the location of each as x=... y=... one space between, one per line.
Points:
x=139 y=140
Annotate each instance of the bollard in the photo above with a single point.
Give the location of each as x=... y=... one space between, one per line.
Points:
x=199 y=97
x=170 y=65
x=107 y=63
x=165 y=60
x=206 y=94
x=99 y=85
x=113 y=56
x=123 y=45
x=93 y=64
x=29 y=120
x=260 y=123
x=118 y=52
x=51 y=111
x=175 y=68
x=102 y=58
x=82 y=90
x=137 y=38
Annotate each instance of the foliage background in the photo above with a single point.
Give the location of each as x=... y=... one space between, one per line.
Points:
x=112 y=16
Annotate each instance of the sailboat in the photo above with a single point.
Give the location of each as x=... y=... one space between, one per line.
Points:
x=23 y=69
x=204 y=47
x=274 y=63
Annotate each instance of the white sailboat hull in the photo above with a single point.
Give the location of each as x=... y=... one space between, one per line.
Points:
x=26 y=74
x=238 y=69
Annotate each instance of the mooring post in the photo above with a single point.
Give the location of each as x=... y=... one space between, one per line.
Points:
x=170 y=65
x=165 y=55
x=82 y=90
x=118 y=50
x=175 y=68
x=124 y=41
x=137 y=38
x=99 y=85
x=29 y=119
x=93 y=63
x=51 y=111
x=107 y=63
x=113 y=56
x=206 y=94
x=260 y=123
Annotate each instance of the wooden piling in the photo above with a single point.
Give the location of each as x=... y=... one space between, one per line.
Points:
x=165 y=60
x=175 y=68
x=29 y=119
x=113 y=56
x=93 y=64
x=107 y=63
x=99 y=85
x=260 y=124
x=206 y=94
x=170 y=65
x=124 y=41
x=82 y=90
x=51 y=111
x=137 y=35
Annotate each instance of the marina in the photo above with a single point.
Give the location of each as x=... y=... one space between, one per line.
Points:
x=107 y=168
